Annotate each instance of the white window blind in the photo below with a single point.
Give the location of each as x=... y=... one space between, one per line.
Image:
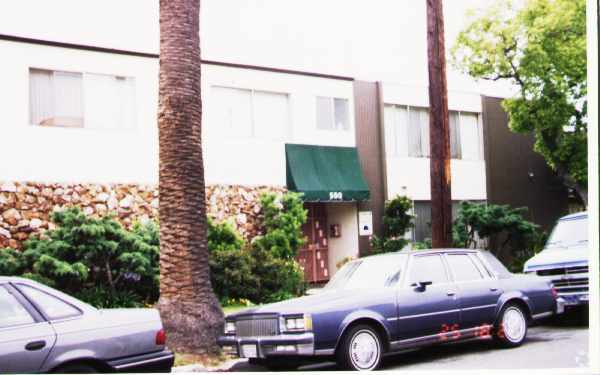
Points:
x=270 y=115
x=109 y=102
x=455 y=148
x=55 y=98
x=332 y=113
x=250 y=113
x=418 y=132
x=94 y=101
x=396 y=130
x=233 y=110
x=469 y=133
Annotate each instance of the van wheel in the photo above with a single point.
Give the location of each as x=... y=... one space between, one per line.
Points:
x=511 y=328
x=360 y=350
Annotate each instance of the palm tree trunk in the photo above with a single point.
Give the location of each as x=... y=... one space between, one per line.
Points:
x=190 y=311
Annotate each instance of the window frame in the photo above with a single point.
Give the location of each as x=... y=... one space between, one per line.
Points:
x=484 y=275
x=39 y=308
x=406 y=282
x=331 y=100
x=84 y=73
x=24 y=302
x=287 y=131
x=425 y=154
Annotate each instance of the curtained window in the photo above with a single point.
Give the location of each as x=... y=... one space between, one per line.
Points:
x=406 y=132
x=81 y=100
x=332 y=113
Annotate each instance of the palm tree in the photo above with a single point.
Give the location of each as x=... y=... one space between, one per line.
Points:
x=189 y=308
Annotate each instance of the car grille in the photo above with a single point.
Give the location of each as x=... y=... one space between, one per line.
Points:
x=256 y=327
x=572 y=280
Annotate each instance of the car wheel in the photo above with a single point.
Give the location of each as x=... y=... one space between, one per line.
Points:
x=511 y=328
x=76 y=368
x=361 y=349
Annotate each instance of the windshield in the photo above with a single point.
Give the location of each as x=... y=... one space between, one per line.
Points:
x=377 y=271
x=569 y=232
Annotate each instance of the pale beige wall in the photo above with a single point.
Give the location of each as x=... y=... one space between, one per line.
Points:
x=344 y=214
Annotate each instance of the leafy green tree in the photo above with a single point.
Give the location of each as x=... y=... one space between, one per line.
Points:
x=397 y=220
x=12 y=262
x=539 y=47
x=503 y=229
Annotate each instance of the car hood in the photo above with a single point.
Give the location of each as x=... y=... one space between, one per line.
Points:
x=571 y=256
x=128 y=316
x=304 y=304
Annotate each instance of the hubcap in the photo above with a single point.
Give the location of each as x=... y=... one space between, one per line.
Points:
x=513 y=324
x=364 y=350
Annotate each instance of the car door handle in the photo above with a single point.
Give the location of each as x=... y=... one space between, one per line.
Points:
x=450 y=293
x=493 y=289
x=35 y=345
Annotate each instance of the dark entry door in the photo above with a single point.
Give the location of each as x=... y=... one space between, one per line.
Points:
x=313 y=256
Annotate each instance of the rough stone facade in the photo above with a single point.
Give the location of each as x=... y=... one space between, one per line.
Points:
x=25 y=207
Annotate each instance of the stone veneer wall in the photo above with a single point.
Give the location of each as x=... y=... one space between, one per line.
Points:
x=25 y=207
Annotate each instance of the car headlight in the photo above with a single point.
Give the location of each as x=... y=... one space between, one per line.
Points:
x=230 y=328
x=297 y=323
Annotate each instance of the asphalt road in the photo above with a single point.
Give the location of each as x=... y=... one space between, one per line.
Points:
x=553 y=344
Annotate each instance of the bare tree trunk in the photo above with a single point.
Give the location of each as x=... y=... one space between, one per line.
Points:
x=439 y=129
x=189 y=308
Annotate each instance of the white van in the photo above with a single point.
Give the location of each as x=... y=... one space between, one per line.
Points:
x=564 y=260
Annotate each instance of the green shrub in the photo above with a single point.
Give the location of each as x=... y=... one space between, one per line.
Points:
x=96 y=259
x=506 y=233
x=397 y=220
x=12 y=262
x=281 y=221
x=231 y=264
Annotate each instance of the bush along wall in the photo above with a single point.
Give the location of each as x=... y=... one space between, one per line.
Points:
x=102 y=262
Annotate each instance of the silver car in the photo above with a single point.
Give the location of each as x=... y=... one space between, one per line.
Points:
x=44 y=330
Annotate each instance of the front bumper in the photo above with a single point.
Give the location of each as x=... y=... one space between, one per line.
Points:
x=293 y=344
x=152 y=362
x=570 y=300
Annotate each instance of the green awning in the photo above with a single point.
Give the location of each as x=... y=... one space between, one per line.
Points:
x=325 y=173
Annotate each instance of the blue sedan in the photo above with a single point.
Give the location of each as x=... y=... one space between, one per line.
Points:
x=390 y=303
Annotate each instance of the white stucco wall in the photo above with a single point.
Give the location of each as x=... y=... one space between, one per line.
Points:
x=411 y=176
x=346 y=215
x=48 y=154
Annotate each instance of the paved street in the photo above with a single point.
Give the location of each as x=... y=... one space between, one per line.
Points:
x=551 y=345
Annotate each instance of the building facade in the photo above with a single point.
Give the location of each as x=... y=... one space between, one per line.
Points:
x=80 y=129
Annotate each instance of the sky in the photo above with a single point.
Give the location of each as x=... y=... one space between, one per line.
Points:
x=372 y=40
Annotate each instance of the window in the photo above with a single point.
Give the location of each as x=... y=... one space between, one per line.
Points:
x=12 y=313
x=56 y=98
x=427 y=268
x=407 y=133
x=332 y=113
x=53 y=307
x=81 y=100
x=251 y=113
x=375 y=272
x=470 y=139
x=418 y=132
x=463 y=268
x=396 y=130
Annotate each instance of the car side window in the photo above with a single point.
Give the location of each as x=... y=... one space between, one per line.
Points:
x=463 y=268
x=12 y=313
x=427 y=268
x=54 y=308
